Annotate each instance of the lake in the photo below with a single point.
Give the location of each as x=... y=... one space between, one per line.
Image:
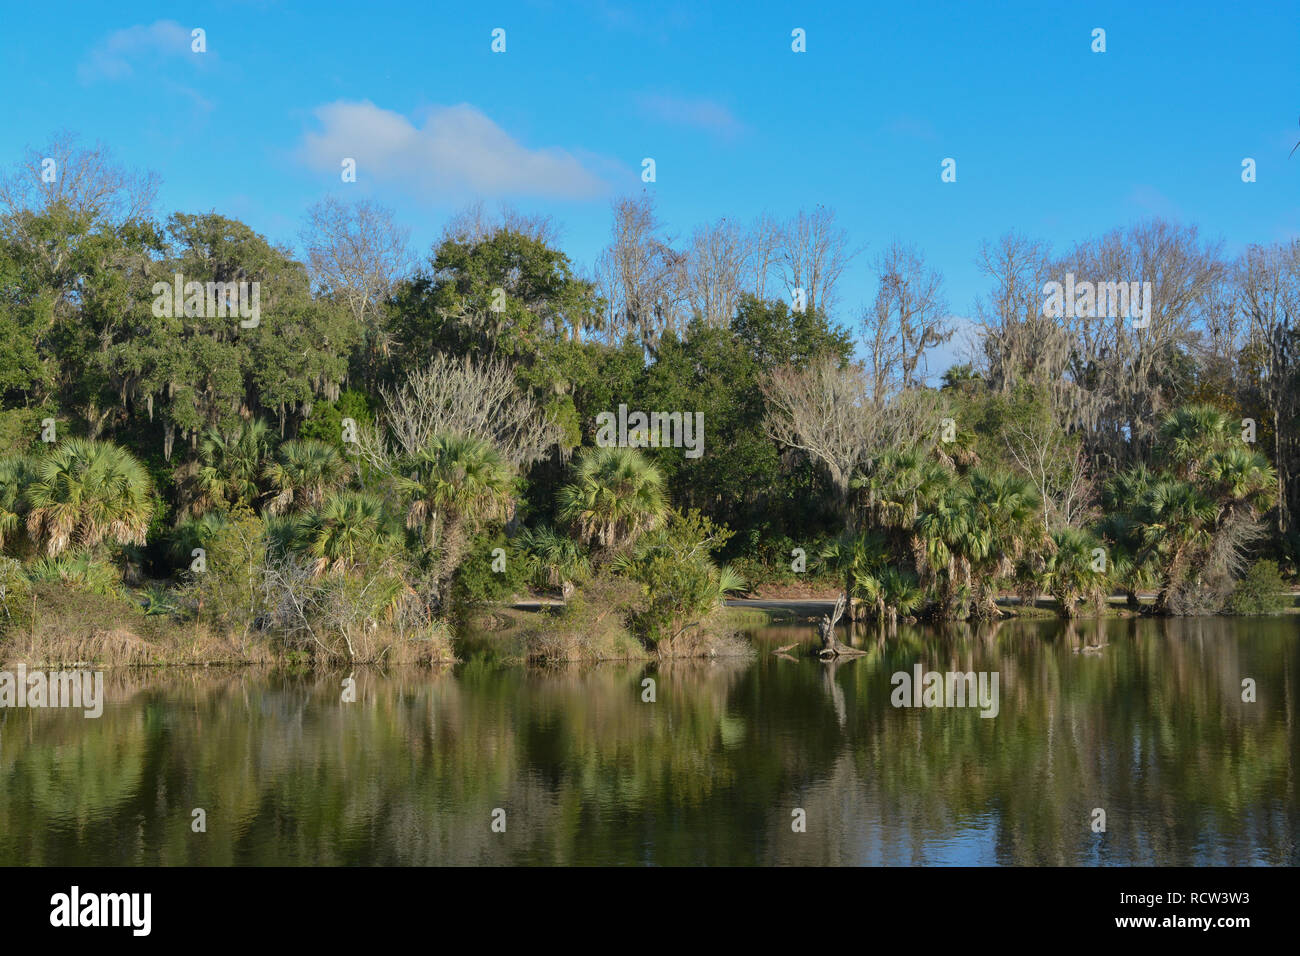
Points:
x=764 y=760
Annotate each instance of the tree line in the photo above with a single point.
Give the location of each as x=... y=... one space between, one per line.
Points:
x=431 y=424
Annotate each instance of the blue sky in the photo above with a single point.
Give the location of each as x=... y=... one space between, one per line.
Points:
x=1050 y=138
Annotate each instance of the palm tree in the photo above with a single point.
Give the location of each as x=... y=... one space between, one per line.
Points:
x=616 y=495
x=230 y=465
x=1240 y=479
x=1175 y=519
x=1190 y=434
x=901 y=593
x=1131 y=565
x=87 y=493
x=1006 y=516
x=859 y=559
x=553 y=560
x=306 y=470
x=16 y=473
x=194 y=533
x=84 y=572
x=1071 y=574
x=343 y=530
x=456 y=483
x=899 y=486
x=951 y=538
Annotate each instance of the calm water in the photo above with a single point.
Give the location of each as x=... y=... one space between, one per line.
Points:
x=1152 y=729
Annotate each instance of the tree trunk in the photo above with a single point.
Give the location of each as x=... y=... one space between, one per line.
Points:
x=831 y=647
x=826 y=629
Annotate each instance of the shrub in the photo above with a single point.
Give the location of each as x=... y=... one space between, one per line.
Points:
x=683 y=590
x=79 y=572
x=476 y=583
x=592 y=625
x=1261 y=591
x=15 y=596
x=228 y=591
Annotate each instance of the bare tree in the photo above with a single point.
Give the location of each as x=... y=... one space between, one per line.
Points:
x=1019 y=343
x=83 y=179
x=458 y=396
x=831 y=413
x=1130 y=366
x=909 y=317
x=357 y=252
x=1058 y=468
x=1269 y=297
x=719 y=259
x=813 y=254
x=641 y=277
x=1109 y=373
x=474 y=224
x=764 y=244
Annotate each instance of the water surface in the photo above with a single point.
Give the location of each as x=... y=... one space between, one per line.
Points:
x=1152 y=729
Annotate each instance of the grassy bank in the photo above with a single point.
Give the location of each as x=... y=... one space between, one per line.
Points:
x=70 y=626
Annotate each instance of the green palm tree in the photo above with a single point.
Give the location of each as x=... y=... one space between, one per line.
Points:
x=230 y=464
x=343 y=531
x=951 y=538
x=87 y=493
x=1240 y=479
x=1007 y=521
x=1131 y=564
x=859 y=559
x=84 y=572
x=456 y=483
x=901 y=593
x=1190 y=434
x=17 y=472
x=616 y=495
x=1175 y=521
x=1072 y=573
x=553 y=560
x=900 y=485
x=194 y=533
x=304 y=472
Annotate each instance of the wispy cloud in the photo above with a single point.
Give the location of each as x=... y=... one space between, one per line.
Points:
x=705 y=114
x=117 y=55
x=456 y=151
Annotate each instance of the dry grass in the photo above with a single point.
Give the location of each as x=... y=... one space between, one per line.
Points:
x=71 y=626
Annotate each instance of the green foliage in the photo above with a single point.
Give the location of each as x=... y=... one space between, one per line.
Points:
x=326 y=420
x=681 y=586
x=80 y=572
x=616 y=495
x=1261 y=591
x=552 y=560
x=230 y=592
x=477 y=582
x=1072 y=573
x=15 y=596
x=84 y=494
x=347 y=530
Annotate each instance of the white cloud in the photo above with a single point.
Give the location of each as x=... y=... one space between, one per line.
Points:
x=700 y=113
x=116 y=56
x=458 y=150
